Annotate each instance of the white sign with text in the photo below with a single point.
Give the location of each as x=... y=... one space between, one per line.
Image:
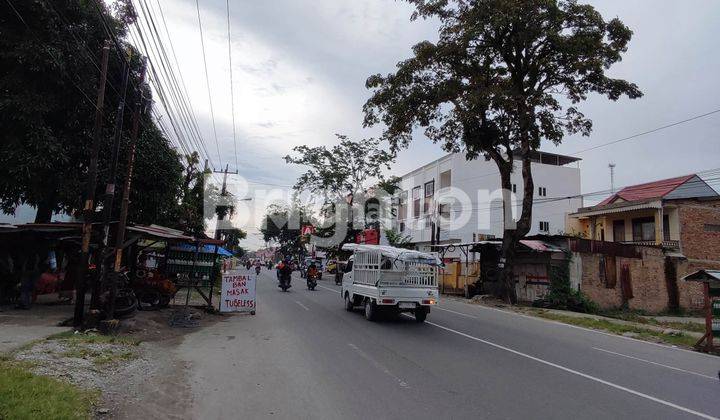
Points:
x=238 y=292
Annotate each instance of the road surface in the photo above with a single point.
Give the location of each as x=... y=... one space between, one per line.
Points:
x=303 y=356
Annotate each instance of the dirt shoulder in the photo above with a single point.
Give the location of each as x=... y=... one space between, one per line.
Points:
x=133 y=374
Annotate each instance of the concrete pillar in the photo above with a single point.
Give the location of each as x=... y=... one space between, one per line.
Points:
x=659 y=233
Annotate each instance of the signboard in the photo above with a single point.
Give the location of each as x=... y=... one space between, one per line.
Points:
x=238 y=292
x=308 y=230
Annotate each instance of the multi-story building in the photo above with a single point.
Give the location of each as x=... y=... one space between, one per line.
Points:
x=460 y=201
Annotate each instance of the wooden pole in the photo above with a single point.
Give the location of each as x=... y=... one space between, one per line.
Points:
x=120 y=235
x=89 y=207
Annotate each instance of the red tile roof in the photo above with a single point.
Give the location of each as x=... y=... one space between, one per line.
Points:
x=647 y=191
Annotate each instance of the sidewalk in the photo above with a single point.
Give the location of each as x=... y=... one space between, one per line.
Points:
x=20 y=327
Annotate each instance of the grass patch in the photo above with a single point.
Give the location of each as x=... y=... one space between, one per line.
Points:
x=637 y=317
x=24 y=395
x=620 y=329
x=91 y=338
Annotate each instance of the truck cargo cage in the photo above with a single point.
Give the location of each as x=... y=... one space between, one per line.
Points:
x=393 y=267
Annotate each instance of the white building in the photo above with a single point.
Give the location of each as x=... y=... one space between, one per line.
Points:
x=463 y=198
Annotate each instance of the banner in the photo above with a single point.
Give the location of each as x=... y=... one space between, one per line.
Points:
x=238 y=292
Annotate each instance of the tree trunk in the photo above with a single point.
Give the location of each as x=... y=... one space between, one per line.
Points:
x=513 y=230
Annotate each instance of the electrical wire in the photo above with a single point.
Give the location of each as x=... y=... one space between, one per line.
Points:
x=207 y=81
x=232 y=94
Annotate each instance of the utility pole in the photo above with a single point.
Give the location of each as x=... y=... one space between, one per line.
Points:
x=120 y=235
x=223 y=208
x=612 y=177
x=89 y=208
x=110 y=192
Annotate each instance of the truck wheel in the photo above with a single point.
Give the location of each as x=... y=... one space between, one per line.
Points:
x=370 y=310
x=349 y=306
x=420 y=314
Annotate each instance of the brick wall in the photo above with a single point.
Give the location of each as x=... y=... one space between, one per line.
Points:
x=647 y=276
x=696 y=242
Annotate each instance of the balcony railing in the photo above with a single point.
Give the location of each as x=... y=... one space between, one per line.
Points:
x=665 y=244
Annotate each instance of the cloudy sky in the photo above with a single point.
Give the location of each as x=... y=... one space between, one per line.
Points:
x=299 y=68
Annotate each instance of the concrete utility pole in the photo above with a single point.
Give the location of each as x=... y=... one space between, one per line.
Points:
x=612 y=177
x=89 y=207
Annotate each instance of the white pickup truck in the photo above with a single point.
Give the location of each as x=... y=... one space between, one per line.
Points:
x=384 y=278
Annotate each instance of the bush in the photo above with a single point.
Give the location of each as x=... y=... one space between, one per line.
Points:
x=562 y=295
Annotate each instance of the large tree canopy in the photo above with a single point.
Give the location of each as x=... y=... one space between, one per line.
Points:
x=342 y=174
x=50 y=54
x=504 y=75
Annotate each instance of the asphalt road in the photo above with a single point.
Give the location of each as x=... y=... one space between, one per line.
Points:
x=303 y=356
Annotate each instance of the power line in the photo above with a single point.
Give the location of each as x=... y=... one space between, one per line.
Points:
x=232 y=95
x=165 y=72
x=649 y=131
x=207 y=80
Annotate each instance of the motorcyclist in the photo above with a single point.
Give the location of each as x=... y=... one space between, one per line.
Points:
x=258 y=266
x=285 y=271
x=312 y=270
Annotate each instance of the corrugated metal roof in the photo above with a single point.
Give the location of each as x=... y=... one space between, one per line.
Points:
x=649 y=190
x=704 y=275
x=540 y=246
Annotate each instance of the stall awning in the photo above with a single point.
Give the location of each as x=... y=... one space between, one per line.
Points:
x=204 y=249
x=161 y=232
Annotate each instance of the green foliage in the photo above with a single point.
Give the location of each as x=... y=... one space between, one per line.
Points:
x=397 y=239
x=620 y=329
x=342 y=170
x=495 y=83
x=282 y=225
x=50 y=77
x=561 y=294
x=24 y=395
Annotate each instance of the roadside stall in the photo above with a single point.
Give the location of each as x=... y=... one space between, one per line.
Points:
x=711 y=292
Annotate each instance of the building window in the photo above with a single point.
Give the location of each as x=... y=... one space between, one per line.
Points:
x=542 y=191
x=643 y=229
x=402 y=226
x=514 y=188
x=429 y=192
x=618 y=230
x=402 y=205
x=712 y=228
x=416 y=201
x=544 y=226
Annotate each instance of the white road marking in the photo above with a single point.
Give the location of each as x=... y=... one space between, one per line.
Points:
x=656 y=363
x=302 y=306
x=378 y=365
x=455 y=312
x=551 y=321
x=578 y=373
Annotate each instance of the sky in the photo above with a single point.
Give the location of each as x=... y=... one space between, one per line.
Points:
x=299 y=70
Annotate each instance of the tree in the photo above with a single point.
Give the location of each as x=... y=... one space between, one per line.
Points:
x=49 y=53
x=504 y=75
x=397 y=239
x=282 y=225
x=341 y=174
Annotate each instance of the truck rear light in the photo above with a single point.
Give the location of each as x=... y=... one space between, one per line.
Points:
x=428 y=301
x=388 y=301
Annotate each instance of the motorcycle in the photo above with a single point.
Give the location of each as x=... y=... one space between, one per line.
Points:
x=284 y=284
x=312 y=280
x=155 y=291
x=257 y=270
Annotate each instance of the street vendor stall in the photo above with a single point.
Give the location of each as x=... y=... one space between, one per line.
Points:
x=711 y=292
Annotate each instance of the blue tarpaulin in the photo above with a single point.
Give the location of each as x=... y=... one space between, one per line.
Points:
x=205 y=249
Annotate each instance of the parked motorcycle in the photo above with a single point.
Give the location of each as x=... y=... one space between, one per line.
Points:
x=154 y=291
